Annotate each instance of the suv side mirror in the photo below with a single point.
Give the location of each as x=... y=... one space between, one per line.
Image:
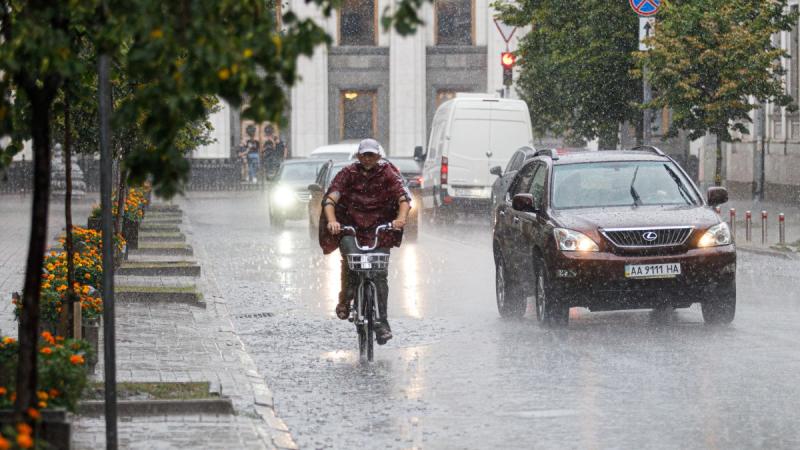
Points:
x=523 y=202
x=496 y=170
x=314 y=188
x=419 y=153
x=716 y=195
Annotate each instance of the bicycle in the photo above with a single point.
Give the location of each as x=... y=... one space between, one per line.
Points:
x=364 y=311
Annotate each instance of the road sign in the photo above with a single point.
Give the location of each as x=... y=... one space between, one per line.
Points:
x=647 y=28
x=645 y=8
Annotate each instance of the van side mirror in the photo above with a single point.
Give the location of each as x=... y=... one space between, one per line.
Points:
x=523 y=202
x=496 y=170
x=716 y=195
x=419 y=153
x=314 y=187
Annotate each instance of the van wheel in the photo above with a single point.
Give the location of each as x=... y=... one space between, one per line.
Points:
x=510 y=298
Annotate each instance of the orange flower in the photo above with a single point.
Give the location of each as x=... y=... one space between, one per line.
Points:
x=46 y=350
x=42 y=395
x=76 y=359
x=42 y=405
x=47 y=336
x=4 y=444
x=54 y=393
x=3 y=391
x=24 y=428
x=34 y=414
x=8 y=340
x=88 y=276
x=25 y=441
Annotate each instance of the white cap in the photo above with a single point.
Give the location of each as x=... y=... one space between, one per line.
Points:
x=369 y=146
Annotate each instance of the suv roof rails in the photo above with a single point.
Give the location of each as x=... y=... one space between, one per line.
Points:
x=551 y=152
x=650 y=148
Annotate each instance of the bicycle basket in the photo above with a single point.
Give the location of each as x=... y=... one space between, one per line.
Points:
x=368 y=261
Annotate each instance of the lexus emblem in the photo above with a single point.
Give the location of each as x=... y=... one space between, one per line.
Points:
x=650 y=236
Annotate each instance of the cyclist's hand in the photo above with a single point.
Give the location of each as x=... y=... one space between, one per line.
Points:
x=334 y=228
x=398 y=224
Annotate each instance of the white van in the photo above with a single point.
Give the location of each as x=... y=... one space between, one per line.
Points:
x=344 y=151
x=469 y=135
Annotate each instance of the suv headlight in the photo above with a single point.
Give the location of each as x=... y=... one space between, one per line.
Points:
x=715 y=236
x=573 y=241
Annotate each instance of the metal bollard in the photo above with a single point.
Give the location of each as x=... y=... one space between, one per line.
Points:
x=781 y=229
x=763 y=228
x=733 y=222
x=748 y=226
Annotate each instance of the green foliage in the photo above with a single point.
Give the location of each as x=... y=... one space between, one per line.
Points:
x=709 y=57
x=575 y=66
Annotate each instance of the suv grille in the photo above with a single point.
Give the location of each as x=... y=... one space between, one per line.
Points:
x=647 y=237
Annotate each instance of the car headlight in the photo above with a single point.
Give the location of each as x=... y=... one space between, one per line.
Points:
x=573 y=241
x=283 y=196
x=715 y=236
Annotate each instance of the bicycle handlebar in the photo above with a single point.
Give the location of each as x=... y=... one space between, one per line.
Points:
x=378 y=229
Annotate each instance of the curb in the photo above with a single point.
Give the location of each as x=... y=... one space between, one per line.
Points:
x=158 y=407
x=766 y=252
x=279 y=434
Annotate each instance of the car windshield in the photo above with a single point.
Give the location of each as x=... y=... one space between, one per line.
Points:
x=299 y=172
x=629 y=183
x=406 y=165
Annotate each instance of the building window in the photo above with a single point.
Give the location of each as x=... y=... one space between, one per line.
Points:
x=454 y=24
x=357 y=22
x=443 y=95
x=358 y=114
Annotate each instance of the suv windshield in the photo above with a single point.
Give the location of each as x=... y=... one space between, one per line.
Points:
x=299 y=172
x=629 y=183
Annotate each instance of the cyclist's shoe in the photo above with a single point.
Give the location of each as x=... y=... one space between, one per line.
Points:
x=382 y=333
x=343 y=311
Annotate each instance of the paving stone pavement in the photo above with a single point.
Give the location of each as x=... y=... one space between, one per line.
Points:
x=181 y=342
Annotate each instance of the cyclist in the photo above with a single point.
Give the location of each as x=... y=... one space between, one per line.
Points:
x=364 y=195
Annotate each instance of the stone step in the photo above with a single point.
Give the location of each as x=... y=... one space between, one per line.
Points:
x=163 y=207
x=164 y=248
x=159 y=236
x=164 y=215
x=158 y=294
x=156 y=227
x=159 y=268
x=166 y=221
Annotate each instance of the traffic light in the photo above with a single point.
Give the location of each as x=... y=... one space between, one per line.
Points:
x=507 y=60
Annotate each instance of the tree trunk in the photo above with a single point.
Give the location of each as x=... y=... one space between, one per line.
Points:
x=27 y=376
x=718 y=169
x=122 y=192
x=68 y=247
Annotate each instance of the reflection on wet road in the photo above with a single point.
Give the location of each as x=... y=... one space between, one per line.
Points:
x=457 y=376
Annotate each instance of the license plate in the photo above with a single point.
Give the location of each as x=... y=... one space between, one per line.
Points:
x=470 y=192
x=670 y=270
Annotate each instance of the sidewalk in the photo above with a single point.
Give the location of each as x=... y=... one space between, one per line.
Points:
x=160 y=341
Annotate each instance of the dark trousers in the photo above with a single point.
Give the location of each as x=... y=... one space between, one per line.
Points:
x=347 y=245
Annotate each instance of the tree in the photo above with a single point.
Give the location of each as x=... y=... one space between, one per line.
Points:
x=179 y=53
x=575 y=66
x=710 y=58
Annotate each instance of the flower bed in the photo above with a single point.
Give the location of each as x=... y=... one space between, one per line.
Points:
x=132 y=215
x=62 y=379
x=88 y=265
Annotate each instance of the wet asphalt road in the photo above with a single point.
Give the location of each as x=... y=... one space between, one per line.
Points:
x=457 y=376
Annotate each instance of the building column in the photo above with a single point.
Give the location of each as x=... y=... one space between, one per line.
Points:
x=407 y=107
x=309 y=96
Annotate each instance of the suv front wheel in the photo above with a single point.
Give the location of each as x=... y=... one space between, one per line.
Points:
x=548 y=310
x=721 y=309
x=510 y=297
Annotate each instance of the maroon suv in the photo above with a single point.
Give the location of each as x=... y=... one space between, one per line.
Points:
x=610 y=230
